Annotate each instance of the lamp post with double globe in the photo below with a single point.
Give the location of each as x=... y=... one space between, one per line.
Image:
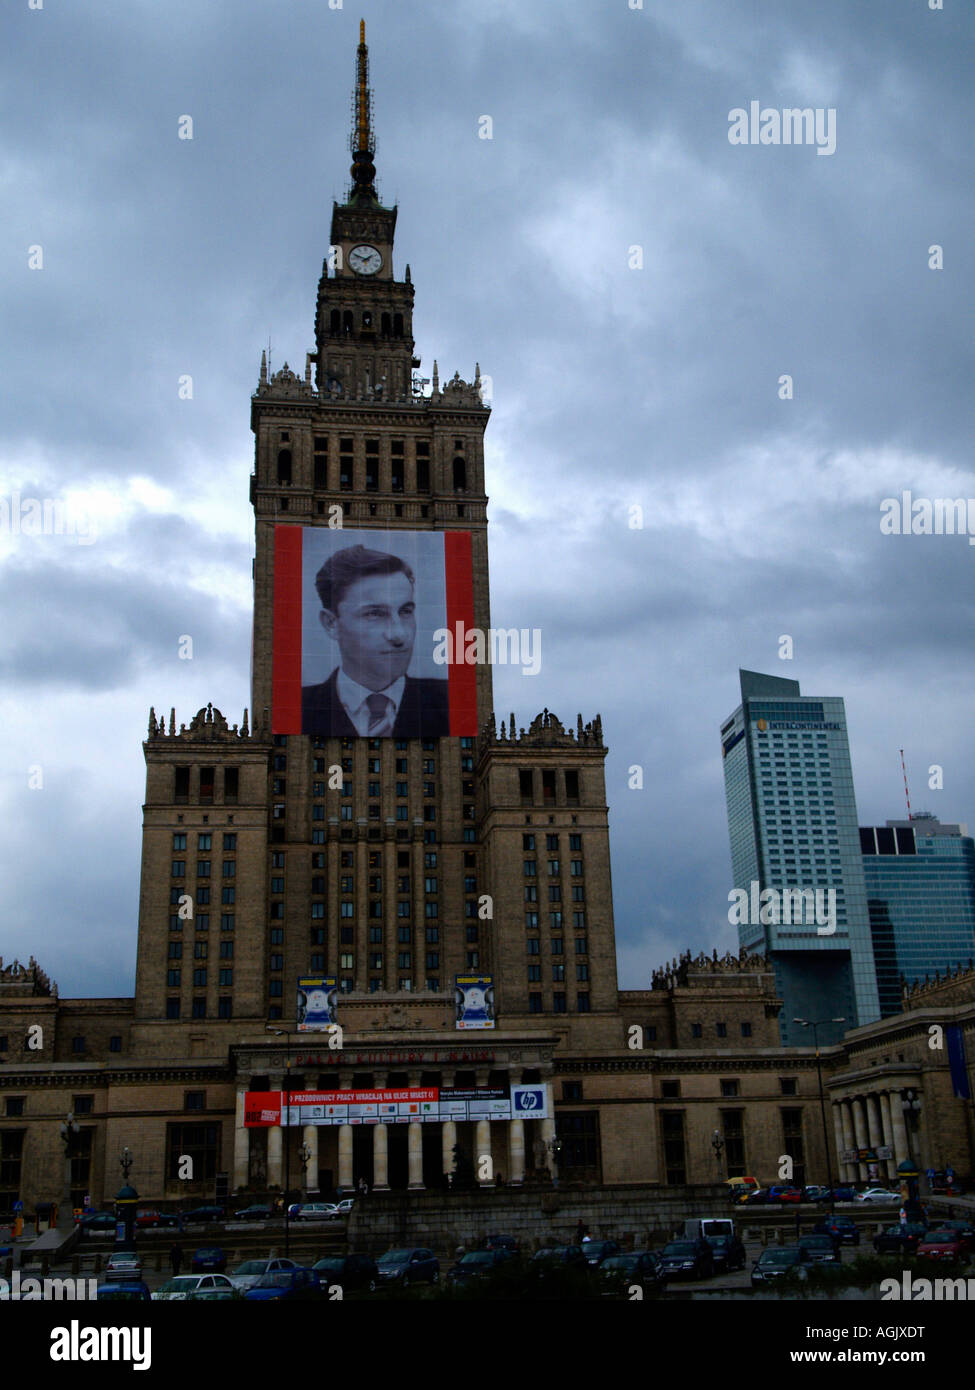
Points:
x=815 y=1025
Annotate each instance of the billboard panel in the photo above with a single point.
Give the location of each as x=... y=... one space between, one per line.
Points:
x=316 y=1002
x=370 y=1107
x=356 y=651
x=474 y=997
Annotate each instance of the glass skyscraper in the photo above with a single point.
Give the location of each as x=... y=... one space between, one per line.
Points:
x=792 y=820
x=920 y=878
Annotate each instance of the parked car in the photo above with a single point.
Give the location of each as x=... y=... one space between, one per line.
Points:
x=728 y=1253
x=98 y=1223
x=350 y=1272
x=878 y=1194
x=346 y=1205
x=476 y=1266
x=966 y=1229
x=778 y=1261
x=754 y=1197
x=495 y=1240
x=815 y=1192
x=208 y=1258
x=408 y=1265
x=246 y=1275
x=288 y=1284
x=900 y=1239
x=785 y=1194
x=844 y=1193
x=687 y=1259
x=125 y=1263
x=203 y=1214
x=822 y=1248
x=595 y=1251
x=179 y=1288
x=149 y=1218
x=316 y=1211
x=550 y=1256
x=256 y=1212
x=942 y=1245
x=636 y=1268
x=843 y=1229
x=124 y=1290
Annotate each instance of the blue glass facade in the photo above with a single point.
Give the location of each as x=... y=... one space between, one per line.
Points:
x=920 y=878
x=793 y=825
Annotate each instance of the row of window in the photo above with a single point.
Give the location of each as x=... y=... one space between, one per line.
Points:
x=198 y=1008
x=721 y=1029
x=559 y=1002
x=557 y=946
x=78 y=1043
x=549 y=786
x=555 y=920
x=558 y=972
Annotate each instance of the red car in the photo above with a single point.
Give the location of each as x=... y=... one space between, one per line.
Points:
x=148 y=1216
x=943 y=1245
x=785 y=1194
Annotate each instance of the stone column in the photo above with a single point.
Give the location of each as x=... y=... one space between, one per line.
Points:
x=345 y=1158
x=860 y=1129
x=889 y=1165
x=849 y=1142
x=516 y=1145
x=242 y=1145
x=838 y=1135
x=448 y=1138
x=380 y=1158
x=873 y=1124
x=548 y=1130
x=310 y=1136
x=415 y=1137
x=901 y=1148
x=482 y=1151
x=274 y=1168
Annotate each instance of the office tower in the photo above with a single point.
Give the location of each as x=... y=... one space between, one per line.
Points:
x=920 y=878
x=793 y=826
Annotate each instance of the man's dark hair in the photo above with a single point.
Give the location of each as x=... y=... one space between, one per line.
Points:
x=346 y=567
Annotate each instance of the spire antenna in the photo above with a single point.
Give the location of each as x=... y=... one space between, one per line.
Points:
x=363 y=141
x=906 y=790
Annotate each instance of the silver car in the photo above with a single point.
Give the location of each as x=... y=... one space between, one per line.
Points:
x=182 y=1286
x=251 y=1272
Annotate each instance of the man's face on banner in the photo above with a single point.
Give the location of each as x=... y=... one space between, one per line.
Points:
x=316 y=1001
x=375 y=627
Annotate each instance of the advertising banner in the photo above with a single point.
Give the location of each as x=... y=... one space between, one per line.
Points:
x=262 y=1109
x=316 y=1002
x=474 y=996
x=355 y=645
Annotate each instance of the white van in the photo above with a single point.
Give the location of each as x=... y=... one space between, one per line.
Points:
x=705 y=1226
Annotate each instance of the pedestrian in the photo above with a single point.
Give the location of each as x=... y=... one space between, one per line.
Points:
x=175 y=1259
x=580 y=1231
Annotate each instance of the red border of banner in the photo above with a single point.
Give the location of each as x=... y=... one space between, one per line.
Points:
x=461 y=678
x=286 y=649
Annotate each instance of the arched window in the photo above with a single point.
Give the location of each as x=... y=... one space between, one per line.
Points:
x=347 y=324
x=397 y=325
x=284 y=466
x=367 y=319
x=335 y=323
x=384 y=325
x=460 y=475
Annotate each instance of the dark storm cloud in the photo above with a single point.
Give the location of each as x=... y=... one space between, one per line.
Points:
x=612 y=387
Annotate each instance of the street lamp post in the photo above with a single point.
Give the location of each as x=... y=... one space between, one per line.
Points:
x=815 y=1025
x=286 y=1034
x=717 y=1144
x=69 y=1128
x=304 y=1153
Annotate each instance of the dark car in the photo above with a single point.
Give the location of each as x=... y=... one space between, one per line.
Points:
x=842 y=1228
x=349 y=1272
x=784 y=1194
x=728 y=1253
x=822 y=1247
x=496 y=1241
x=758 y=1197
x=596 y=1251
x=124 y=1291
x=815 y=1192
x=687 y=1259
x=408 y=1265
x=257 y=1212
x=779 y=1261
x=618 y=1274
x=477 y=1265
x=285 y=1284
x=149 y=1218
x=98 y=1223
x=844 y=1194
x=209 y=1259
x=203 y=1214
x=900 y=1239
x=559 y=1254
x=964 y=1228
x=943 y=1245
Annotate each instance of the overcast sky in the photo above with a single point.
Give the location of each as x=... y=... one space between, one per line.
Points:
x=614 y=386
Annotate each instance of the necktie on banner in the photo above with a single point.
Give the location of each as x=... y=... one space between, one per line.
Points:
x=380 y=709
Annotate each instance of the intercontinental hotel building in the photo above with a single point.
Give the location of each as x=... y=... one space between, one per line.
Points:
x=433 y=878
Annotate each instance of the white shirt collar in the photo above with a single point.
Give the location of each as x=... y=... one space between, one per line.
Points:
x=354 y=697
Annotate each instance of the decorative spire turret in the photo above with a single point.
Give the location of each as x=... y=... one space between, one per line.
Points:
x=363 y=143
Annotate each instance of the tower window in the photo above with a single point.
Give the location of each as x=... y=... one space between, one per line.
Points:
x=422 y=474
x=284 y=467
x=397 y=325
x=460 y=475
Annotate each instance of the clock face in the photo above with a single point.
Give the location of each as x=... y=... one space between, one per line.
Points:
x=365 y=260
